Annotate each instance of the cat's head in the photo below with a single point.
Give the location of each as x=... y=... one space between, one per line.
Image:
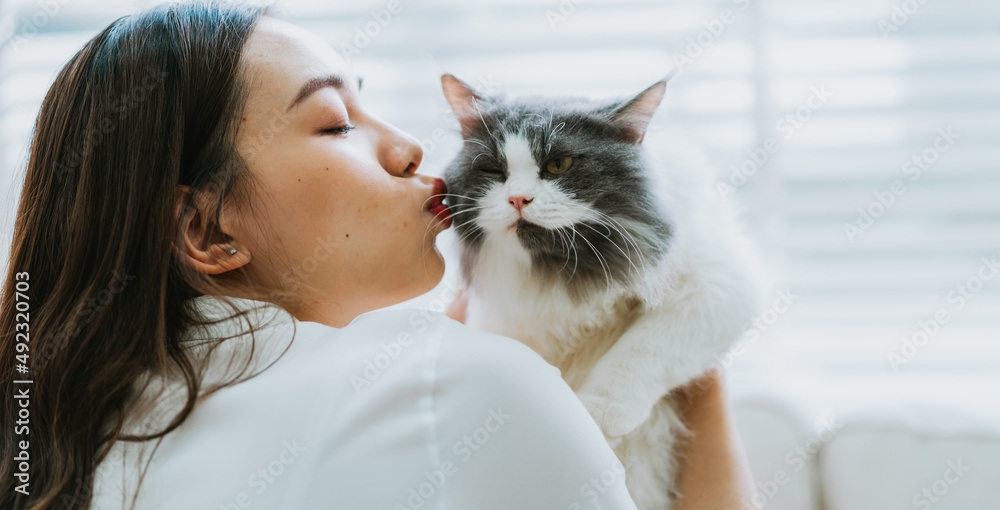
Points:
x=563 y=179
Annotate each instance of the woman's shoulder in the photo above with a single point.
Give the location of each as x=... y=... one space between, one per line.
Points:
x=385 y=355
x=491 y=409
x=386 y=410
x=393 y=346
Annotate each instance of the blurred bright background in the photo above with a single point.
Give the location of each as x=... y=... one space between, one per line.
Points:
x=861 y=137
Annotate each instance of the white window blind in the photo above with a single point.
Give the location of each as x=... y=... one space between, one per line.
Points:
x=862 y=106
x=901 y=73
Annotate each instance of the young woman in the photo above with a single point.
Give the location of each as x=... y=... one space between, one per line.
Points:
x=210 y=218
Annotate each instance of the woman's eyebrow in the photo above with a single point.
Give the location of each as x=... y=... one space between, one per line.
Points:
x=335 y=80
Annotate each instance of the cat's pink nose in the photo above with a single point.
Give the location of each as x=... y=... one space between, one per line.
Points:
x=519 y=202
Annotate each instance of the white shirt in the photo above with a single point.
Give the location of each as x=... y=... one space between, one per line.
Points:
x=399 y=410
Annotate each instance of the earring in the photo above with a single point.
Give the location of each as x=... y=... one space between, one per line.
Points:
x=232 y=251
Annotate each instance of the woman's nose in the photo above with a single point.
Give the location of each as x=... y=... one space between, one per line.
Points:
x=399 y=152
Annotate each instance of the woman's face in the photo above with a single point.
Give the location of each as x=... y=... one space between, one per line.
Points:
x=339 y=188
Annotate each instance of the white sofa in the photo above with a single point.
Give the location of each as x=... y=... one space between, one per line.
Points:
x=867 y=440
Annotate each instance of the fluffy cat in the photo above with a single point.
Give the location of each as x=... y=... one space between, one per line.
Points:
x=627 y=273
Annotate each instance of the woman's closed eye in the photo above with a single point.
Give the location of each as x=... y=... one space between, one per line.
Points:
x=340 y=130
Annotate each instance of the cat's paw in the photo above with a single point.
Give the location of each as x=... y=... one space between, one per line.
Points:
x=614 y=417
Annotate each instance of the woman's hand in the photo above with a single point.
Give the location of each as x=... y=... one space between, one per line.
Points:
x=714 y=472
x=456 y=310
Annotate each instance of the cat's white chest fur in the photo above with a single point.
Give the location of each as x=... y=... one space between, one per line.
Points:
x=508 y=299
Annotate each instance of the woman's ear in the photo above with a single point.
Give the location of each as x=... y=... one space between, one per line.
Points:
x=464 y=101
x=201 y=244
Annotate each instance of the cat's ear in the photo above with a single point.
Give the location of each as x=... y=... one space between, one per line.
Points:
x=633 y=116
x=464 y=101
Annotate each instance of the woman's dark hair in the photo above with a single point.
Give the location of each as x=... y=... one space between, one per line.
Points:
x=148 y=106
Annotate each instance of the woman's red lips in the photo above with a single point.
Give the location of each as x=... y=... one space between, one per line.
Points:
x=436 y=204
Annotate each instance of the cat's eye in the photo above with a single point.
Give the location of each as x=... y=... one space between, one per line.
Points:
x=559 y=165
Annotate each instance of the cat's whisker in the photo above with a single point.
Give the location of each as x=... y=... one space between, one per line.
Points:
x=463 y=207
x=457 y=209
x=466 y=210
x=576 y=254
x=478 y=142
x=564 y=245
x=463 y=211
x=459 y=213
x=475 y=104
x=610 y=227
x=613 y=243
x=600 y=222
x=432 y=225
x=548 y=130
x=459 y=196
x=557 y=129
x=565 y=241
x=629 y=244
x=604 y=265
x=437 y=221
x=626 y=235
x=569 y=244
x=623 y=230
x=552 y=134
x=476 y=229
x=446 y=195
x=471 y=230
